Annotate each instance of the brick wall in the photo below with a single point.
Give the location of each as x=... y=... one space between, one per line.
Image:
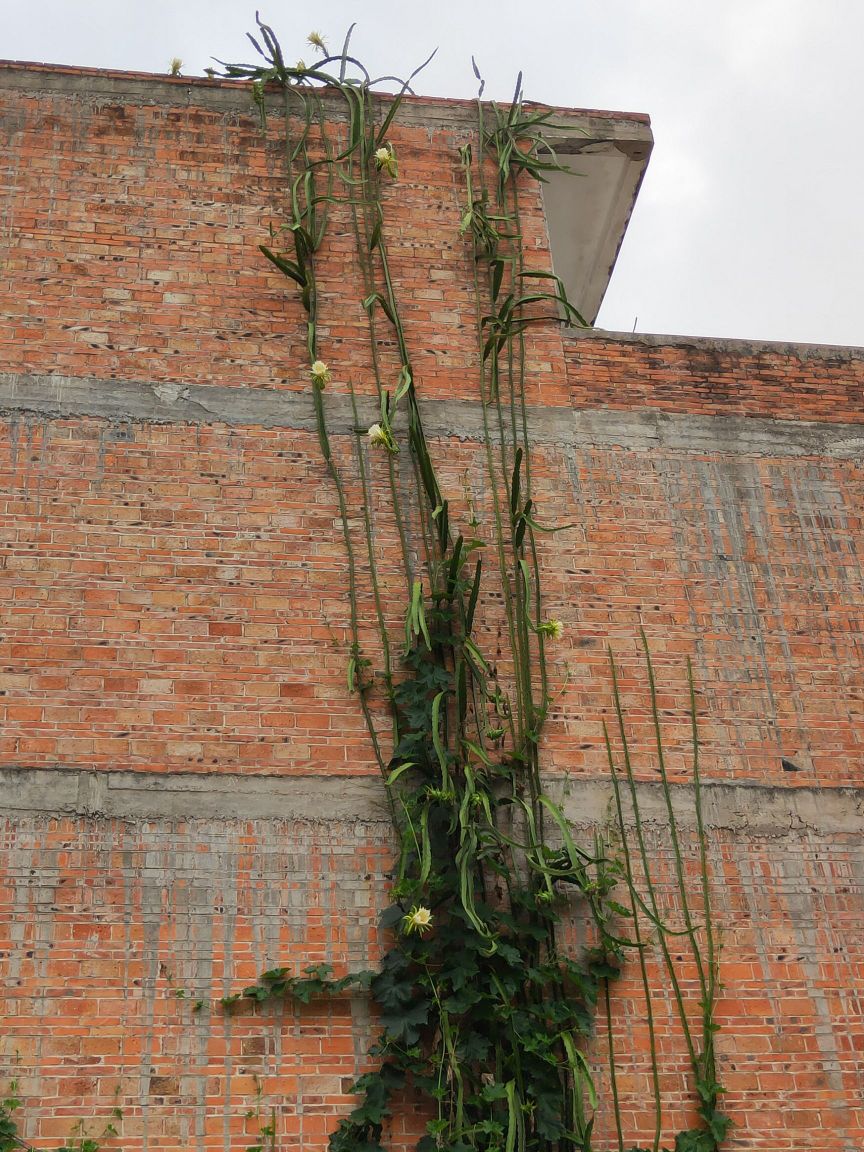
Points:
x=189 y=794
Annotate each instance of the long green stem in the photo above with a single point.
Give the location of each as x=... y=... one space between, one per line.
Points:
x=646 y=871
x=486 y=1012
x=613 y=1073
x=673 y=823
x=639 y=944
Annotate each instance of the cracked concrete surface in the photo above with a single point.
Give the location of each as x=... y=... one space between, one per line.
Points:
x=739 y=807
x=65 y=397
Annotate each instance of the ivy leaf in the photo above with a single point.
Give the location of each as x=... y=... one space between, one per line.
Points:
x=719 y=1126
x=462 y=1000
x=376 y=1088
x=406 y=1024
x=391 y=916
x=494 y=1091
x=461 y=973
x=394 y=988
x=347 y=1139
x=489 y=1127
x=547 y=1117
x=510 y=954
x=695 y=1140
x=274 y=974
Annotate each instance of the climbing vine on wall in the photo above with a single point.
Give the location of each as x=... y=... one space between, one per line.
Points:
x=483 y=1010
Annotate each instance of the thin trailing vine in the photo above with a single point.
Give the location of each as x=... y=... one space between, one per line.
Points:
x=483 y=1010
x=714 y=1123
x=79 y=1141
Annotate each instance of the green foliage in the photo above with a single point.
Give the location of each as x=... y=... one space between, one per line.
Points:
x=278 y=984
x=481 y=1009
x=9 y=1138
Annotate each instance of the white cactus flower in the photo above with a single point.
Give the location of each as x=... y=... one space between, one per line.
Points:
x=385 y=158
x=380 y=436
x=418 y=920
x=551 y=628
x=320 y=373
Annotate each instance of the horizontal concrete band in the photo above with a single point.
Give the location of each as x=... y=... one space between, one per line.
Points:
x=64 y=397
x=132 y=796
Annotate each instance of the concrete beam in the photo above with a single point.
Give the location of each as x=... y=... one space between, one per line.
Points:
x=25 y=396
x=740 y=807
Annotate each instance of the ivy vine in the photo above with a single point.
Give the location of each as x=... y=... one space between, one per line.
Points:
x=484 y=1011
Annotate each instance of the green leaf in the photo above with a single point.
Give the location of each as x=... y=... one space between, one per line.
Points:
x=440 y=750
x=376 y=298
x=407 y=1024
x=397 y=100
x=497 y=267
x=405 y=382
x=286 y=267
x=515 y=1119
x=397 y=772
x=472 y=599
x=515 y=482
x=477 y=751
x=579 y=1067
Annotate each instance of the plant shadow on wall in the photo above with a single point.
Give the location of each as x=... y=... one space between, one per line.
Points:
x=484 y=1010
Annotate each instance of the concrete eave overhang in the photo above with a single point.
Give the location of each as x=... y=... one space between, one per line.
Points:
x=588 y=207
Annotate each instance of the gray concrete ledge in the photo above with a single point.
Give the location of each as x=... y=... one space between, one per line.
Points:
x=124 y=795
x=60 y=397
x=97 y=86
x=725 y=435
x=135 y=796
x=728 y=345
x=122 y=401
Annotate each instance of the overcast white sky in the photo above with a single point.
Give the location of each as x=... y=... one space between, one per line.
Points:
x=750 y=220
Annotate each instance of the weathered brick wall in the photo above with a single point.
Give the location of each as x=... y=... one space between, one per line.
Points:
x=803 y=382
x=189 y=794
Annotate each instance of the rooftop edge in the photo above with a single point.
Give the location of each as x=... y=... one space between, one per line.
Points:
x=730 y=344
x=230 y=85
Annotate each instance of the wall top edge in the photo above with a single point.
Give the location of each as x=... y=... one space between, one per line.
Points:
x=156 y=88
x=731 y=345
